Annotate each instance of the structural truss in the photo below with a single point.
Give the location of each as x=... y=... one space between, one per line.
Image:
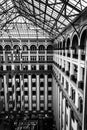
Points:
x=52 y=16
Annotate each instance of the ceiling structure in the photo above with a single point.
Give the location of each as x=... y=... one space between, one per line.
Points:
x=52 y=16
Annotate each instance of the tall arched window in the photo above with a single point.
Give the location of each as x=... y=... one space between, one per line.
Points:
x=33 y=49
x=68 y=47
x=7 y=48
x=33 y=76
x=83 y=44
x=41 y=49
x=75 y=46
x=25 y=48
x=63 y=47
x=16 y=48
x=49 y=49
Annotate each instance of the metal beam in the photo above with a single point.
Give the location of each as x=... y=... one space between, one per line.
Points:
x=46 y=13
x=73 y=7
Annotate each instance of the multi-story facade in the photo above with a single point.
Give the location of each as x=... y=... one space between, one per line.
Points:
x=45 y=77
x=69 y=77
x=26 y=75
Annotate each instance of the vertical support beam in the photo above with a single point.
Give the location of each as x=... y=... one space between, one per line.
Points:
x=5 y=90
x=64 y=123
x=22 y=93
x=3 y=55
x=46 y=92
x=30 y=99
x=37 y=55
x=84 y=127
x=69 y=119
x=12 y=55
x=29 y=55
x=38 y=93
x=58 y=107
x=76 y=125
x=45 y=54
x=14 y=93
x=60 y=110
x=20 y=55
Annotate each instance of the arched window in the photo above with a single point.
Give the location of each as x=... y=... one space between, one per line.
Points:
x=33 y=49
x=60 y=45
x=7 y=48
x=16 y=48
x=83 y=44
x=75 y=46
x=41 y=49
x=33 y=76
x=49 y=49
x=68 y=44
x=68 y=47
x=25 y=48
x=17 y=76
x=63 y=45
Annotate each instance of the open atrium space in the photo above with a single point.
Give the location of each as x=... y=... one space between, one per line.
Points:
x=43 y=64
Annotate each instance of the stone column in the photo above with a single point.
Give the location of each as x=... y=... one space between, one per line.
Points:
x=14 y=91
x=22 y=91
x=5 y=91
x=38 y=93
x=46 y=93
x=69 y=118
x=30 y=91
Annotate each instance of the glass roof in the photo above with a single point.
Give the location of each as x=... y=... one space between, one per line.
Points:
x=52 y=16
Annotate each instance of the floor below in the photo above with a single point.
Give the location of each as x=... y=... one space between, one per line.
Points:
x=29 y=121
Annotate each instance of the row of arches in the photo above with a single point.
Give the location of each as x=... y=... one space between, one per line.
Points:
x=25 y=47
x=73 y=43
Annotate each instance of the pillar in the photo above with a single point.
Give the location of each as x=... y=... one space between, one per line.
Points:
x=38 y=93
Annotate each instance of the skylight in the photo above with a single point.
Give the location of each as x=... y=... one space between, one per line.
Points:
x=52 y=16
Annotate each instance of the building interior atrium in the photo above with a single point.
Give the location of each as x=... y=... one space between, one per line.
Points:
x=43 y=64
